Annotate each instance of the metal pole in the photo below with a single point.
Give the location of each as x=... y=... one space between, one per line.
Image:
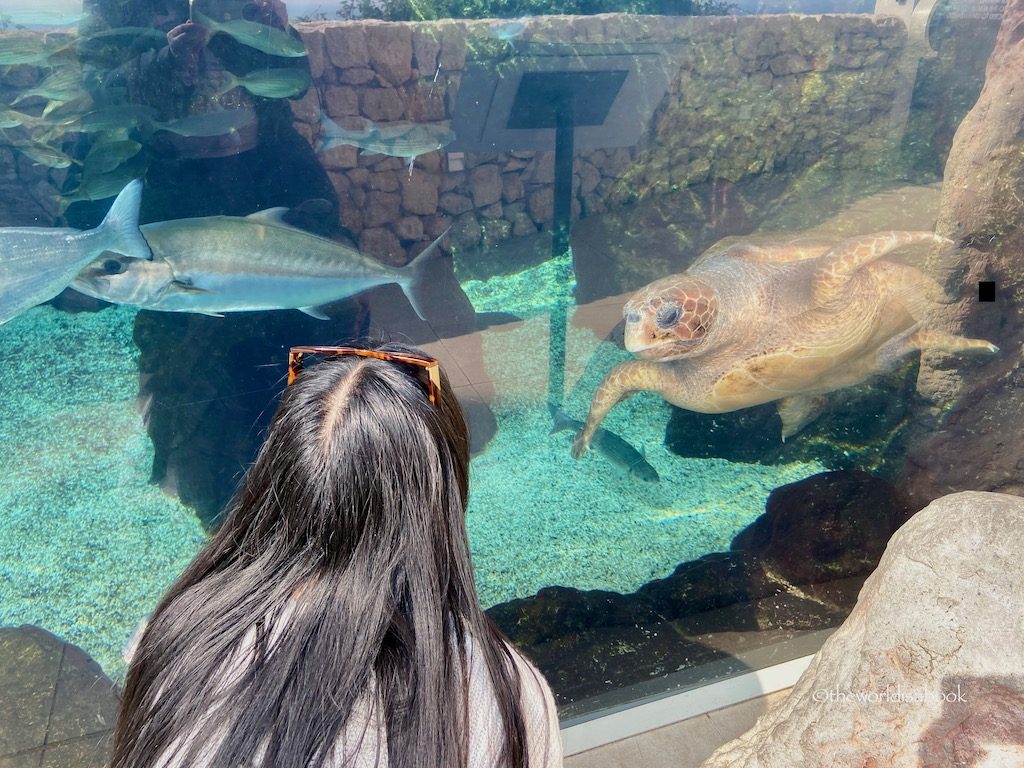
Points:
x=562 y=215
x=565 y=119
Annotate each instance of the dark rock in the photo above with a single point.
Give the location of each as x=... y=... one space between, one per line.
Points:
x=716 y=580
x=559 y=611
x=826 y=527
x=419 y=193
x=382 y=104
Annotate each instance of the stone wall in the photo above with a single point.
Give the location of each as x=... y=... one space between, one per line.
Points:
x=752 y=95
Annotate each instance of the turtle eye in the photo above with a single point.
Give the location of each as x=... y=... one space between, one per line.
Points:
x=113 y=267
x=667 y=316
x=632 y=316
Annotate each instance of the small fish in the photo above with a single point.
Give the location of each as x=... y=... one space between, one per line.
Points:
x=105 y=156
x=507 y=30
x=218 y=264
x=215 y=123
x=262 y=37
x=12 y=118
x=43 y=154
x=276 y=83
x=18 y=48
x=136 y=33
x=120 y=118
x=62 y=85
x=67 y=113
x=614 y=448
x=100 y=186
x=37 y=263
x=408 y=140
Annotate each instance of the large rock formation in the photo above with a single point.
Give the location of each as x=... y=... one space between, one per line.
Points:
x=926 y=669
x=982 y=209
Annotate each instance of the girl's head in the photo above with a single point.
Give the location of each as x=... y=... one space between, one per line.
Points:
x=359 y=460
x=346 y=549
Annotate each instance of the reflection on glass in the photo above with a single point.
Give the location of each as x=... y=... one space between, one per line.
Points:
x=753 y=265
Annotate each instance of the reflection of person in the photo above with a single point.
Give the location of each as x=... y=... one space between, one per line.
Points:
x=333 y=619
x=257 y=161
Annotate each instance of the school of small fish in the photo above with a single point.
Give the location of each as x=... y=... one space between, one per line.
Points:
x=45 y=119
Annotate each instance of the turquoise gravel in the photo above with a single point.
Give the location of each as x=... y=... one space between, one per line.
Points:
x=88 y=545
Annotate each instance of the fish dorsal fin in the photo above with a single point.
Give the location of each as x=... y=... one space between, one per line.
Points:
x=273 y=216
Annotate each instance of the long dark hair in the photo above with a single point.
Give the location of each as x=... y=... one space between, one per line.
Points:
x=357 y=503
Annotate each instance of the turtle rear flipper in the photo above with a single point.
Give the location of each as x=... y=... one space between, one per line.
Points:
x=916 y=337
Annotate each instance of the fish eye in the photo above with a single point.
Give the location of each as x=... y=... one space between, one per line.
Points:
x=113 y=267
x=249 y=11
x=667 y=316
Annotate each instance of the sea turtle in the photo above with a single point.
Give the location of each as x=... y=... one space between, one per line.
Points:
x=750 y=324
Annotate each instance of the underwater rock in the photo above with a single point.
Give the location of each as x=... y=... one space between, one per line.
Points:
x=382 y=244
x=381 y=104
x=926 y=669
x=978 y=445
x=454 y=203
x=540 y=203
x=512 y=188
x=381 y=208
x=717 y=580
x=560 y=611
x=825 y=527
x=409 y=228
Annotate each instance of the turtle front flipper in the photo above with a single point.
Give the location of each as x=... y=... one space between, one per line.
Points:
x=832 y=276
x=624 y=380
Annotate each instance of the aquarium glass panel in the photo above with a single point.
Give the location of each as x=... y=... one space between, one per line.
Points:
x=725 y=289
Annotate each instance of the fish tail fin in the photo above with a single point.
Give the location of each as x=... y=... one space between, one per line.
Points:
x=414 y=274
x=560 y=421
x=120 y=227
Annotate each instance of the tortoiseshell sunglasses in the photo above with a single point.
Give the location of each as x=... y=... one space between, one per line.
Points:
x=428 y=369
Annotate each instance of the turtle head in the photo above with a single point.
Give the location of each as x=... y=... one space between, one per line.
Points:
x=670 y=318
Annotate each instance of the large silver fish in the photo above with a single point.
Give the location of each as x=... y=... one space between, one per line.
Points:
x=406 y=140
x=220 y=264
x=37 y=263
